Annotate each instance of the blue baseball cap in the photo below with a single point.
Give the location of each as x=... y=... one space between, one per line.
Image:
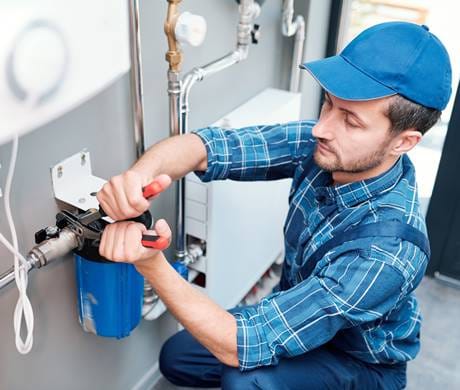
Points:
x=388 y=59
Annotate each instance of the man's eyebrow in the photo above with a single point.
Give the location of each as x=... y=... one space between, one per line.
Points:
x=358 y=118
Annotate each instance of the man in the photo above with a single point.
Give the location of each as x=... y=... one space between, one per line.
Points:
x=344 y=315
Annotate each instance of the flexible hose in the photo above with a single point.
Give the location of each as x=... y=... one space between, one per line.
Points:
x=23 y=309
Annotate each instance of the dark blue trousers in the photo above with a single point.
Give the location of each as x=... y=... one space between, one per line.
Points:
x=185 y=362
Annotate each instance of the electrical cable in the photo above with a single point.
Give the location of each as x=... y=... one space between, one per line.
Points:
x=23 y=309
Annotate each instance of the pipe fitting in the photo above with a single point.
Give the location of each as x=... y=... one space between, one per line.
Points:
x=288 y=27
x=249 y=11
x=174 y=54
x=41 y=254
x=195 y=252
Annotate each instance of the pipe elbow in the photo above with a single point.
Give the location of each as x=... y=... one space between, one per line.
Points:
x=241 y=53
x=300 y=23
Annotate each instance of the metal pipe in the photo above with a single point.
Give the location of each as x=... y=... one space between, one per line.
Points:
x=174 y=92
x=248 y=11
x=297 y=56
x=198 y=74
x=289 y=28
x=137 y=90
x=179 y=92
x=45 y=252
x=174 y=58
x=7 y=277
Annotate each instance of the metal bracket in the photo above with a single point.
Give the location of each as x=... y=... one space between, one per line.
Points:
x=73 y=182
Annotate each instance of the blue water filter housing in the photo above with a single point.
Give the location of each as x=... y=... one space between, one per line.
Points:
x=110 y=296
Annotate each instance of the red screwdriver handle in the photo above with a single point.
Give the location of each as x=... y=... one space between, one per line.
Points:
x=151 y=189
x=155 y=242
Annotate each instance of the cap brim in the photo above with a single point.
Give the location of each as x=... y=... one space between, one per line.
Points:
x=343 y=80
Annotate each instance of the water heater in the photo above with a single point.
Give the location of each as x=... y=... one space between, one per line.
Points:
x=54 y=55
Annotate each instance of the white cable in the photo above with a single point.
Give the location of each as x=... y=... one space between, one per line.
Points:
x=23 y=307
x=13 y=251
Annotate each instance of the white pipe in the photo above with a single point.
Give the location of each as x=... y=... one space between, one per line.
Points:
x=289 y=27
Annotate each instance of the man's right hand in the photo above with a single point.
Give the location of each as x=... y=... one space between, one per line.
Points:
x=122 y=198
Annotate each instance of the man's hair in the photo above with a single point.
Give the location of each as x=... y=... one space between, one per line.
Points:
x=405 y=114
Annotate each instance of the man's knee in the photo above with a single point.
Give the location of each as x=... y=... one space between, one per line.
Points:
x=185 y=362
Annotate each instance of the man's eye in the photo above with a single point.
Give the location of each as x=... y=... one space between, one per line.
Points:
x=350 y=124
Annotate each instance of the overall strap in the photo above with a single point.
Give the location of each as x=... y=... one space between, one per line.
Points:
x=377 y=229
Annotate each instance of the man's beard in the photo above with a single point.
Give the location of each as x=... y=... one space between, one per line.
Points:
x=335 y=164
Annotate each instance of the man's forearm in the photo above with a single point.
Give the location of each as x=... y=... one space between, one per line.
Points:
x=211 y=325
x=175 y=156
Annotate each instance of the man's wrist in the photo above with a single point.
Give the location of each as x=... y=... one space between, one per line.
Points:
x=147 y=174
x=146 y=266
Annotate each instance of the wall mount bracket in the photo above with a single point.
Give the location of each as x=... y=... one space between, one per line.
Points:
x=74 y=183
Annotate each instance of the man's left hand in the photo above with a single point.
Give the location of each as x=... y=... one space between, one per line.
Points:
x=121 y=242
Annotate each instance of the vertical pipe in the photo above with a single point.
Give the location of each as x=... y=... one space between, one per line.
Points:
x=174 y=58
x=137 y=91
x=297 y=56
x=290 y=27
x=174 y=93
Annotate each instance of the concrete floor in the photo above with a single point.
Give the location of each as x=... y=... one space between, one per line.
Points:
x=438 y=364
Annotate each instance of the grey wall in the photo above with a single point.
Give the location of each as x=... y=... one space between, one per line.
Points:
x=63 y=356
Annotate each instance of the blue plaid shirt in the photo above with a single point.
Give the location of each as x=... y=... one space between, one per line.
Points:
x=361 y=300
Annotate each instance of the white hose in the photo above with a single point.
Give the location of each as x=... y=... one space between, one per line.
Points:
x=23 y=307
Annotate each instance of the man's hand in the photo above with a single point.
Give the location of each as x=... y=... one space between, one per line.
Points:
x=121 y=197
x=121 y=242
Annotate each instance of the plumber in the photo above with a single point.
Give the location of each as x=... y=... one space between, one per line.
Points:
x=344 y=314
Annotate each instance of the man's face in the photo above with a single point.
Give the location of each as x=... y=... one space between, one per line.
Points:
x=353 y=136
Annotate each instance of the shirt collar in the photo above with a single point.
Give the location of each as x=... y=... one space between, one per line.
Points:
x=349 y=195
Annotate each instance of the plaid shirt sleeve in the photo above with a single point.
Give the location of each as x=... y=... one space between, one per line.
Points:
x=255 y=152
x=351 y=290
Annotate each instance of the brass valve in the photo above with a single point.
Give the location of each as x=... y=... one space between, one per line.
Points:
x=174 y=55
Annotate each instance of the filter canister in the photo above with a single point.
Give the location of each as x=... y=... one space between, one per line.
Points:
x=110 y=297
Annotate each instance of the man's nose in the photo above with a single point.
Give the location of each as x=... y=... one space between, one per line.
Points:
x=324 y=127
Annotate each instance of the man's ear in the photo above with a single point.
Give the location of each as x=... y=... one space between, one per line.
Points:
x=405 y=141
